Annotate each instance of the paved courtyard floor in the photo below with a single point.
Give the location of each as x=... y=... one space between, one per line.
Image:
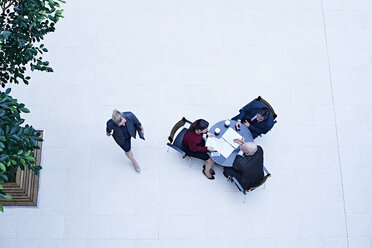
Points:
x=311 y=59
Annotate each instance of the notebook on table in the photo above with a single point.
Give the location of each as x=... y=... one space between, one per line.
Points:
x=225 y=145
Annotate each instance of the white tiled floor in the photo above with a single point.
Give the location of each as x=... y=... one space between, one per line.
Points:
x=167 y=59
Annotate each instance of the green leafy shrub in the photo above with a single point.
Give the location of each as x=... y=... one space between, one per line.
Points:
x=24 y=23
x=17 y=142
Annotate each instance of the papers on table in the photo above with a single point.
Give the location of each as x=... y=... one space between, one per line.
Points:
x=215 y=154
x=225 y=145
x=220 y=145
x=213 y=142
x=229 y=137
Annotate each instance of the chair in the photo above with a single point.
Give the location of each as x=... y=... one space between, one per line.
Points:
x=260 y=99
x=263 y=182
x=176 y=143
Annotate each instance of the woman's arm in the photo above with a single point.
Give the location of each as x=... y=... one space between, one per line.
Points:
x=193 y=147
x=109 y=127
x=192 y=142
x=135 y=120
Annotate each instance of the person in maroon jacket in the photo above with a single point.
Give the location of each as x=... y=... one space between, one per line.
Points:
x=193 y=144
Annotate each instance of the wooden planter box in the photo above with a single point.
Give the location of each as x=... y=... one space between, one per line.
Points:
x=24 y=190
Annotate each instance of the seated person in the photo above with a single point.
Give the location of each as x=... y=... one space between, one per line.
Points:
x=256 y=116
x=193 y=144
x=248 y=165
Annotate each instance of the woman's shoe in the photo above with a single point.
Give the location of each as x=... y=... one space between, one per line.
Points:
x=210 y=178
x=138 y=169
x=212 y=171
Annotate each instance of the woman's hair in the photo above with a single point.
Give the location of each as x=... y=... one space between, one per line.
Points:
x=200 y=124
x=264 y=112
x=116 y=116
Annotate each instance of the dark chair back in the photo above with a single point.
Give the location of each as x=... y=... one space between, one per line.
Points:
x=260 y=99
x=260 y=184
x=175 y=128
x=263 y=181
x=176 y=142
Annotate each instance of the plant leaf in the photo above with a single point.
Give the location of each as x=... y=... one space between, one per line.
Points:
x=6 y=34
x=25 y=110
x=32 y=159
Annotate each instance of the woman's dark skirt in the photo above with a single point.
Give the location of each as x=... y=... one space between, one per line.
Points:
x=126 y=145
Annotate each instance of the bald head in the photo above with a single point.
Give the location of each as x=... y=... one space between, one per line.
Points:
x=249 y=148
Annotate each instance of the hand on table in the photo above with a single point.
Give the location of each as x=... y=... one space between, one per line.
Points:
x=237 y=125
x=211 y=149
x=246 y=123
x=239 y=141
x=210 y=134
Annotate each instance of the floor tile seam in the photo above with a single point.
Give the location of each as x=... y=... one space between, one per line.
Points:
x=335 y=123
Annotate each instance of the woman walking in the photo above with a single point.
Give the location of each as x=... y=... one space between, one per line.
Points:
x=125 y=126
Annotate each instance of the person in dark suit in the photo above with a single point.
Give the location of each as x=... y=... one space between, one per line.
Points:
x=248 y=165
x=256 y=116
x=125 y=126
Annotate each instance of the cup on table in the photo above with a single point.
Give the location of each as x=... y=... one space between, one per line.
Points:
x=227 y=123
x=217 y=131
